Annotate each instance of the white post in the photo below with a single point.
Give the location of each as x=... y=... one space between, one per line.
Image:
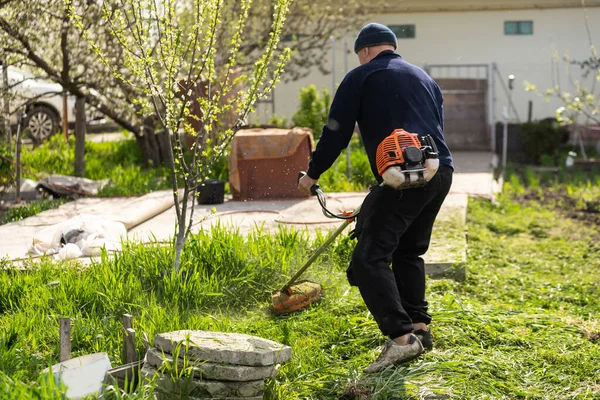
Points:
x=505 y=137
x=492 y=95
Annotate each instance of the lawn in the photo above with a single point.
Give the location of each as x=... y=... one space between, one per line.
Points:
x=524 y=324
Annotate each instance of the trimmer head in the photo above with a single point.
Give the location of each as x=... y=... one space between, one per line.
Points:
x=296 y=297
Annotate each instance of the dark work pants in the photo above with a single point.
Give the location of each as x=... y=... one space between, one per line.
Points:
x=394 y=227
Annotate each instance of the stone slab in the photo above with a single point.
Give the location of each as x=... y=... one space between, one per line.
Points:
x=223 y=347
x=473 y=174
x=202 y=388
x=214 y=371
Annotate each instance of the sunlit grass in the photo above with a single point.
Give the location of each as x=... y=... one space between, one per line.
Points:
x=524 y=324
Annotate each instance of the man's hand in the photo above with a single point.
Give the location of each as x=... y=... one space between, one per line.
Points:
x=305 y=183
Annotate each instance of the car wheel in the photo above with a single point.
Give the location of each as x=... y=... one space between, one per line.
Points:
x=42 y=123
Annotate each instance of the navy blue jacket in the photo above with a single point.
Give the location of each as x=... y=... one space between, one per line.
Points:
x=382 y=95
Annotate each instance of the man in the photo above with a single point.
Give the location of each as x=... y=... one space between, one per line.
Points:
x=394 y=227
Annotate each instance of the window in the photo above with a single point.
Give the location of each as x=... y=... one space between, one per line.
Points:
x=291 y=37
x=403 y=31
x=518 y=27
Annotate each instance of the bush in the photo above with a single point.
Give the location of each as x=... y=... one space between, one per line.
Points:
x=543 y=140
x=280 y=122
x=314 y=109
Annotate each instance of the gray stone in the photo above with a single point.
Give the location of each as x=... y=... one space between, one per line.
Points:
x=188 y=388
x=221 y=347
x=213 y=371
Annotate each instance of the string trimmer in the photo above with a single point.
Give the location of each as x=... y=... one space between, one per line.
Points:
x=404 y=160
x=294 y=296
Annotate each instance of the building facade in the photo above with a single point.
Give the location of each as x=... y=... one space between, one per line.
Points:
x=472 y=48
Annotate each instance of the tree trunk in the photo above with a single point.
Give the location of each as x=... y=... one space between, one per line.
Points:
x=5 y=99
x=143 y=145
x=80 y=136
x=164 y=145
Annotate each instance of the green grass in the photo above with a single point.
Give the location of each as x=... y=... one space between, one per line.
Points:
x=27 y=210
x=524 y=325
x=118 y=161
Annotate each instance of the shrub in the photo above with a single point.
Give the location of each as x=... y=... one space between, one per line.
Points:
x=314 y=109
x=278 y=121
x=543 y=139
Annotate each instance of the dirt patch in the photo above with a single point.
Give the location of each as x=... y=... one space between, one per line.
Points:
x=593 y=336
x=577 y=209
x=356 y=392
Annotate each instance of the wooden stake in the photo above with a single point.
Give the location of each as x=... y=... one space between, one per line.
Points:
x=130 y=353
x=127 y=321
x=65 y=339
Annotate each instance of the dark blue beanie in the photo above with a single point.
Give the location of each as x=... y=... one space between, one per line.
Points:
x=374 y=34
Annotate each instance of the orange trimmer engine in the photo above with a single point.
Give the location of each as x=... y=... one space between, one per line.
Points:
x=404 y=160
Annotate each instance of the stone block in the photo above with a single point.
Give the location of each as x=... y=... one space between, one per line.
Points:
x=214 y=371
x=201 y=389
x=222 y=347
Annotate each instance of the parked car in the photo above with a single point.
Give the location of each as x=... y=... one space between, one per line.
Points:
x=42 y=103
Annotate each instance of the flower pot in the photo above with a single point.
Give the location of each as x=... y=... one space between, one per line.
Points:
x=212 y=191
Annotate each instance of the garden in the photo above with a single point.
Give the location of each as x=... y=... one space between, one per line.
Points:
x=524 y=323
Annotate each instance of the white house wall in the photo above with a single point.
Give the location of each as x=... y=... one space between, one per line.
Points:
x=474 y=37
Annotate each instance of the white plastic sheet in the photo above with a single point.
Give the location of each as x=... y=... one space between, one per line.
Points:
x=83 y=235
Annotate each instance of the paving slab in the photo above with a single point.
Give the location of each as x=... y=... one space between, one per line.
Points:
x=224 y=347
x=214 y=371
x=202 y=388
x=474 y=174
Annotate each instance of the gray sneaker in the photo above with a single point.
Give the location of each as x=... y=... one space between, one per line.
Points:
x=394 y=353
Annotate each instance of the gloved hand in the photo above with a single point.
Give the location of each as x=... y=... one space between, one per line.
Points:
x=305 y=183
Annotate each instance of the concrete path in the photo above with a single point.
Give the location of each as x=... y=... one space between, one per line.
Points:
x=152 y=217
x=473 y=174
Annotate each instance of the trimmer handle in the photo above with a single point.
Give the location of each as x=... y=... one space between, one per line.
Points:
x=314 y=188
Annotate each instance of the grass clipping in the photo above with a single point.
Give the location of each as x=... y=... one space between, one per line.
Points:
x=296 y=297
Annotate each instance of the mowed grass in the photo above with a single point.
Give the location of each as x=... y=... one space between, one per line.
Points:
x=524 y=324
